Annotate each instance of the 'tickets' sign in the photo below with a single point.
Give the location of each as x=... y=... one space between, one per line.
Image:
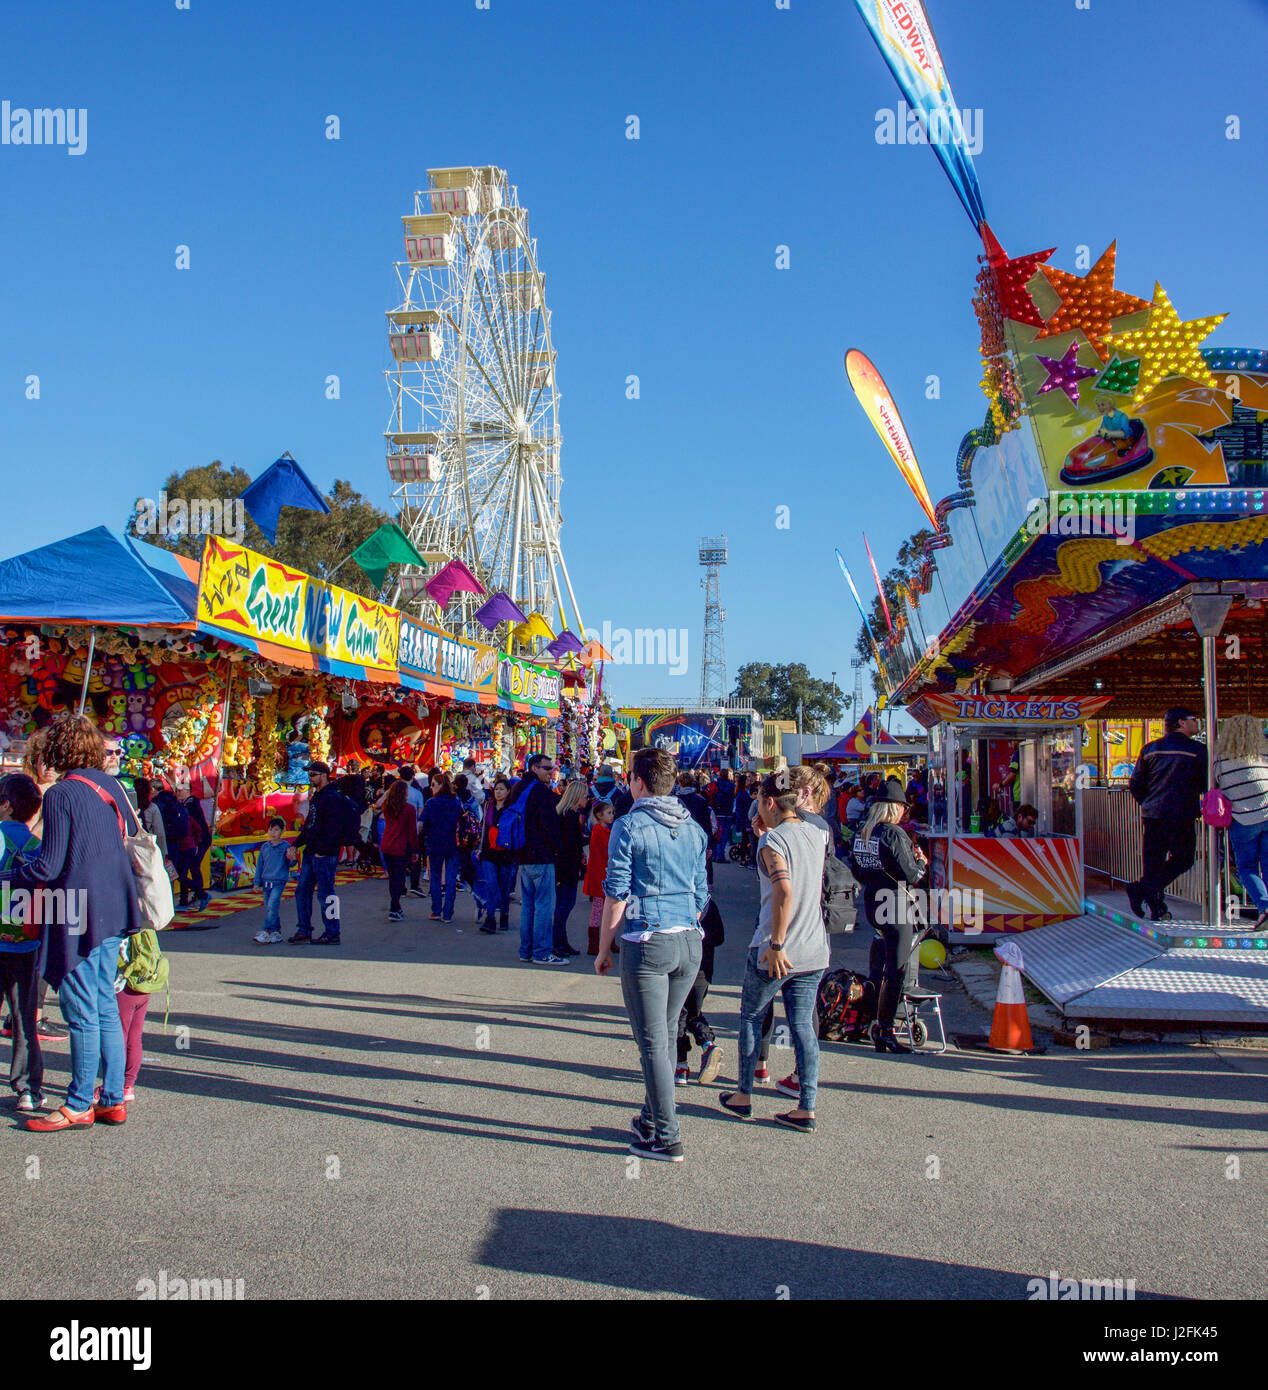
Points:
x=243 y=593
x=1008 y=709
x=531 y=685
x=428 y=652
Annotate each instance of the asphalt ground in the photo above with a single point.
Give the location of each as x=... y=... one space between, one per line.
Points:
x=419 y=1115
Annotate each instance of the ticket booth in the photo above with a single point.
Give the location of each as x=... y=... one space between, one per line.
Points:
x=996 y=764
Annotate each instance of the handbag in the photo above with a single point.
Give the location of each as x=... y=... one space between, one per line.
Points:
x=154 y=888
x=1217 y=809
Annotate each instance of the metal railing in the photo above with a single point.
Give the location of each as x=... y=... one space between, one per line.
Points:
x=1112 y=838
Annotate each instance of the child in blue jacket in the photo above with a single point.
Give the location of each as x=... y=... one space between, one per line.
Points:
x=272 y=870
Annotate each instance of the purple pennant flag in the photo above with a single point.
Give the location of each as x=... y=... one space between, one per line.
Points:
x=455 y=578
x=564 y=643
x=501 y=608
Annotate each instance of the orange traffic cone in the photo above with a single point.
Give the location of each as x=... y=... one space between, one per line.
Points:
x=1010 y=1024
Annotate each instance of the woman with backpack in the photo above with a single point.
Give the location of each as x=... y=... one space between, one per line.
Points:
x=501 y=861
x=82 y=853
x=569 y=859
x=1240 y=772
x=886 y=863
x=468 y=829
x=439 y=827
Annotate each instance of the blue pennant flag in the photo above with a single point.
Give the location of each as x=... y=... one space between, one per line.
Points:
x=283 y=484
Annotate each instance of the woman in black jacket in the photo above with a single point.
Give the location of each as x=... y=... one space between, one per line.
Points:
x=569 y=861
x=886 y=863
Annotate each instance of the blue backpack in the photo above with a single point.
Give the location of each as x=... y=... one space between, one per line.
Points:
x=510 y=831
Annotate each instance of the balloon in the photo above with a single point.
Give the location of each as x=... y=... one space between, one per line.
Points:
x=932 y=954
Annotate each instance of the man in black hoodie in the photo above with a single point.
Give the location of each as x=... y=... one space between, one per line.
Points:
x=321 y=840
x=537 y=862
x=1167 y=783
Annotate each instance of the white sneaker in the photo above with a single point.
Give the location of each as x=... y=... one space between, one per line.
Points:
x=267 y=938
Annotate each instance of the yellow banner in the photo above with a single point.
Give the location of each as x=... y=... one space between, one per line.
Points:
x=243 y=594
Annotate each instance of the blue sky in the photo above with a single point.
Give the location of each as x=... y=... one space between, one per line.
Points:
x=757 y=126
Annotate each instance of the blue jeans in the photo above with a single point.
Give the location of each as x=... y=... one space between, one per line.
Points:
x=91 y=1012
x=1249 y=844
x=565 y=901
x=537 y=910
x=317 y=871
x=273 y=906
x=656 y=977
x=724 y=838
x=801 y=992
x=446 y=864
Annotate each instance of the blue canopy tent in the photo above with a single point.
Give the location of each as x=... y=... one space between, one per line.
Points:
x=99 y=577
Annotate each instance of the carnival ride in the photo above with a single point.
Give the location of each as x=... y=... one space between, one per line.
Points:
x=473 y=443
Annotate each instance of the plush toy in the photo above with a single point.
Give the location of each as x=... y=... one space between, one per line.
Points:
x=138 y=677
x=137 y=720
x=136 y=748
x=116 y=721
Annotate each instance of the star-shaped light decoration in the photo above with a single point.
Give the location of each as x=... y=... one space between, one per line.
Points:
x=1065 y=373
x=1010 y=278
x=1120 y=377
x=1167 y=347
x=1089 y=302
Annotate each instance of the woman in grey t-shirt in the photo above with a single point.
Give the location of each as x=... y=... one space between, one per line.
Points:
x=789 y=951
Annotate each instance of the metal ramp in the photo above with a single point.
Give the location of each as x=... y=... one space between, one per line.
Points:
x=1185 y=986
x=1092 y=967
x=1067 y=959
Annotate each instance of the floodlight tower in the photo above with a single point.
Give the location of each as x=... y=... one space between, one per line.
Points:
x=713 y=653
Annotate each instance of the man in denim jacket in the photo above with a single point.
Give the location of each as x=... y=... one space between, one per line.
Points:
x=655 y=891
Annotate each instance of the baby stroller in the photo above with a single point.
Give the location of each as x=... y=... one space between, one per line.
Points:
x=907 y=1021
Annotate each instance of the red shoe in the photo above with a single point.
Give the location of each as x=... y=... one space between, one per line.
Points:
x=762 y=1073
x=61 y=1119
x=111 y=1114
x=789 y=1087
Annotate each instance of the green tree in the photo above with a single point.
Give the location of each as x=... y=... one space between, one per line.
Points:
x=314 y=542
x=775 y=692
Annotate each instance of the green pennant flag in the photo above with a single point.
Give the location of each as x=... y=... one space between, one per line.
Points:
x=389 y=545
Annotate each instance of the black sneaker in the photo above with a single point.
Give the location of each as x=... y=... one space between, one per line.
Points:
x=662 y=1153
x=644 y=1130
x=1136 y=898
x=301 y=938
x=47 y=1031
x=395 y=916
x=325 y=939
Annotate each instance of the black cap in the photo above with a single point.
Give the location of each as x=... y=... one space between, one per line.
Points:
x=893 y=791
x=1178 y=712
x=318 y=767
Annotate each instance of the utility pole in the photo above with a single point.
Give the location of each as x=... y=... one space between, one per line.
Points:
x=834 y=700
x=713 y=554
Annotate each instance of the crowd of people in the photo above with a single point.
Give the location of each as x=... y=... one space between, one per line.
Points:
x=641 y=849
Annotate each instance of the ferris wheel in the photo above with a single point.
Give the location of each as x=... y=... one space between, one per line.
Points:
x=474 y=440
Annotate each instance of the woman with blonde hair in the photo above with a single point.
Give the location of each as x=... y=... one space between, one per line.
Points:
x=886 y=862
x=1240 y=771
x=569 y=857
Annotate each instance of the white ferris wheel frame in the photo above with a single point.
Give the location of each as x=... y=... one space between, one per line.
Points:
x=494 y=411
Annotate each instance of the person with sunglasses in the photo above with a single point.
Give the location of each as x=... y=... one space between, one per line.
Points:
x=537 y=862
